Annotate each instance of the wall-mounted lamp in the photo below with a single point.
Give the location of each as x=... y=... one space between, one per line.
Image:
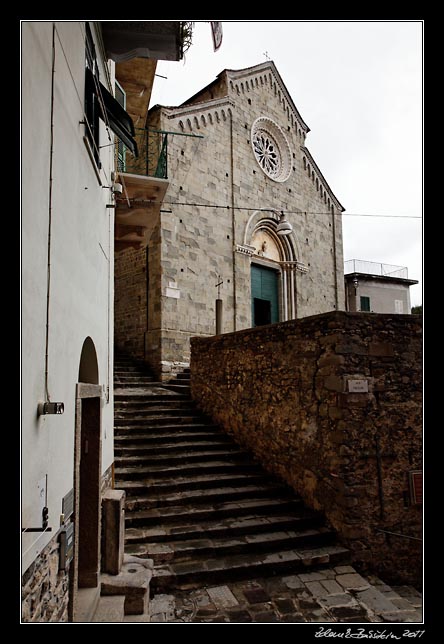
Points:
x=284 y=227
x=355 y=282
x=50 y=408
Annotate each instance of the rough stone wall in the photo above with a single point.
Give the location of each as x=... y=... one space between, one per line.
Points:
x=45 y=589
x=130 y=302
x=283 y=392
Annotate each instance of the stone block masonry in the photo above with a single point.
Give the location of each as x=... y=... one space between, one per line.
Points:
x=130 y=305
x=44 y=588
x=332 y=404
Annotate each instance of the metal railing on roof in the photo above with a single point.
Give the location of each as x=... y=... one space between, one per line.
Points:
x=374 y=268
x=152 y=160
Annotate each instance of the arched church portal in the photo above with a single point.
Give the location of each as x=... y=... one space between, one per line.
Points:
x=273 y=270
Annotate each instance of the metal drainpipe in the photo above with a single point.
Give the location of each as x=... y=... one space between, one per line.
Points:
x=51 y=154
x=335 y=267
x=379 y=472
x=233 y=224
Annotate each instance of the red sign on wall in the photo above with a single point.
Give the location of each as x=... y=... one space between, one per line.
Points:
x=415 y=477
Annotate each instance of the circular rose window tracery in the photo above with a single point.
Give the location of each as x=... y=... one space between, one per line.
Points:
x=271 y=149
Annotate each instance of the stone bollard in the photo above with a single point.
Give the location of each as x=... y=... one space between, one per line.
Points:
x=113 y=530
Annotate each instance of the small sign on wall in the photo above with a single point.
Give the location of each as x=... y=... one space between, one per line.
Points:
x=358 y=386
x=415 y=477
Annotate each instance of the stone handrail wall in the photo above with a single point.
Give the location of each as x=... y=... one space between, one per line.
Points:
x=283 y=392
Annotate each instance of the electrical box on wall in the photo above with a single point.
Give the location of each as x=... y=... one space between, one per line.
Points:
x=66 y=539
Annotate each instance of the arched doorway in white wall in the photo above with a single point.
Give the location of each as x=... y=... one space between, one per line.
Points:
x=87 y=484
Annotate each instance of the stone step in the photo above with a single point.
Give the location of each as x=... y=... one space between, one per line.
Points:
x=189 y=515
x=199 y=482
x=110 y=609
x=223 y=466
x=132 y=384
x=153 y=412
x=204 y=496
x=165 y=433
x=139 y=440
x=136 y=380
x=123 y=370
x=192 y=574
x=185 y=375
x=129 y=368
x=191 y=456
x=154 y=402
x=154 y=395
x=226 y=527
x=275 y=541
x=182 y=389
x=142 y=433
x=172 y=447
x=137 y=421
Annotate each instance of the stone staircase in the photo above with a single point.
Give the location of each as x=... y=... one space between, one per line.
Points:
x=129 y=373
x=199 y=505
x=180 y=383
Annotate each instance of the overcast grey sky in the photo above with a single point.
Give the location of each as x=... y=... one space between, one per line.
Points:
x=358 y=86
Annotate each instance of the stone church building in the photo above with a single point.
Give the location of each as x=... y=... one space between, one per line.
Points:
x=247 y=209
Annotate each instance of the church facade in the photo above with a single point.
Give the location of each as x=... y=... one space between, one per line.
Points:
x=248 y=219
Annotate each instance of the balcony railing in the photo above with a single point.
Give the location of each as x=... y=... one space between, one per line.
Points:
x=374 y=268
x=153 y=153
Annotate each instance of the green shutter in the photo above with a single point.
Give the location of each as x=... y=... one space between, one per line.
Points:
x=365 y=303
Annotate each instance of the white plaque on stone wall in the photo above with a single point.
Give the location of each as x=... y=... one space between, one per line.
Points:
x=358 y=386
x=172 y=292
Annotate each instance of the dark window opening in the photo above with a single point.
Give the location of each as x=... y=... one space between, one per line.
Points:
x=365 y=303
x=100 y=103
x=262 y=312
x=92 y=106
x=121 y=150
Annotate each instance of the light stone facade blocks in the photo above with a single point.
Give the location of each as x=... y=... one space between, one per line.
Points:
x=220 y=201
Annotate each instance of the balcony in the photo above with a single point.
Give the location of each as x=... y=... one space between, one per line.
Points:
x=158 y=39
x=153 y=154
x=145 y=181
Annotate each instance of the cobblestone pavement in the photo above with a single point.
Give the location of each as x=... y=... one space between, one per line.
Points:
x=330 y=595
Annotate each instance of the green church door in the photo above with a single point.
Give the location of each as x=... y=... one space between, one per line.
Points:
x=264 y=296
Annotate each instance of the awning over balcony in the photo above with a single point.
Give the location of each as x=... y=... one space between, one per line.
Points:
x=161 y=40
x=119 y=120
x=112 y=112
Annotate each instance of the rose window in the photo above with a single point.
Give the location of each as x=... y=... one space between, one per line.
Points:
x=271 y=149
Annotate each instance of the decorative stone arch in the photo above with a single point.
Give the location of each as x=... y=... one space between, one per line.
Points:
x=282 y=255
